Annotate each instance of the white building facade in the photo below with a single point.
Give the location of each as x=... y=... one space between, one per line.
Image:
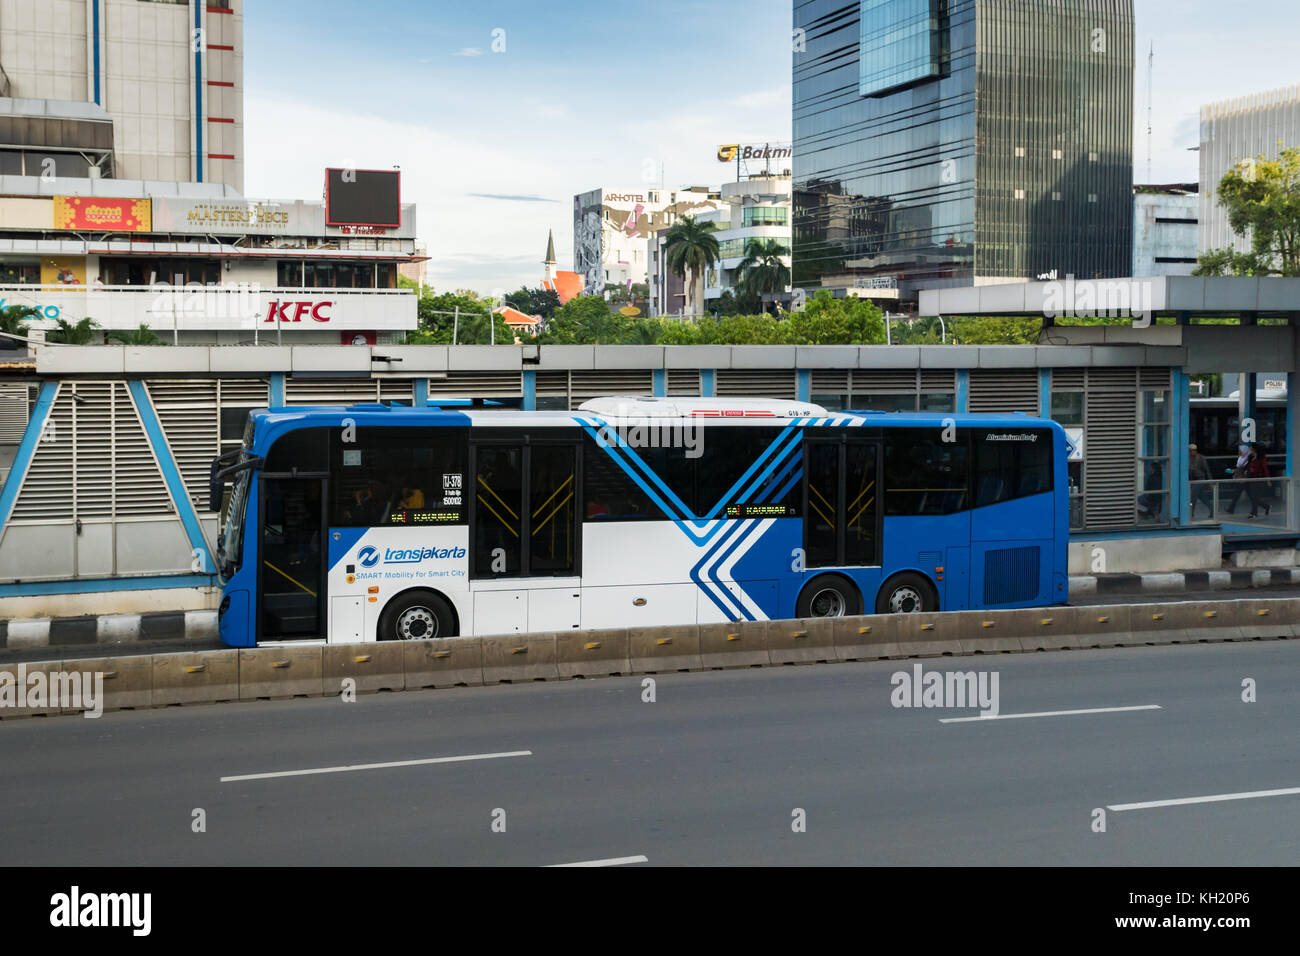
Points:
x=168 y=73
x=611 y=227
x=1233 y=131
x=753 y=208
x=201 y=265
x=1165 y=230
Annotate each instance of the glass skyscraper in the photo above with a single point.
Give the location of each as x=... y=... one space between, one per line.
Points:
x=961 y=141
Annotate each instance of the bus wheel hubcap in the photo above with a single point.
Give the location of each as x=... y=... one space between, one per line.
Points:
x=905 y=601
x=415 y=624
x=828 y=603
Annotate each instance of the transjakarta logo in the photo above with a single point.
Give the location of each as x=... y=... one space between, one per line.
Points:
x=368 y=557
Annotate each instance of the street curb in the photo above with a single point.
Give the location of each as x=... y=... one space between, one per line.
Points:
x=1175 y=582
x=108 y=629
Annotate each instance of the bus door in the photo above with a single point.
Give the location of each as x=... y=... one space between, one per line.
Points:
x=524 y=525
x=841 y=514
x=291 y=570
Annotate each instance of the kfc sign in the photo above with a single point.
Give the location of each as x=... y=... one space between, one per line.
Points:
x=290 y=310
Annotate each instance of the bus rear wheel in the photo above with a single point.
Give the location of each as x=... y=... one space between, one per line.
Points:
x=907 y=593
x=417 y=616
x=829 y=596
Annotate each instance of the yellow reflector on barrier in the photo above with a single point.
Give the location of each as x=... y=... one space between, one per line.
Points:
x=865 y=630
x=518 y=650
x=441 y=654
x=361 y=659
x=927 y=627
x=591 y=646
x=799 y=634
x=279 y=664
x=663 y=640
x=987 y=623
x=733 y=637
x=196 y=668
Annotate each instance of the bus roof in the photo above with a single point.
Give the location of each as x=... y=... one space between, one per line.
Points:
x=731 y=411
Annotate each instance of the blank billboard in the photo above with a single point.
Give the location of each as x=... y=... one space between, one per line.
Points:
x=363 y=197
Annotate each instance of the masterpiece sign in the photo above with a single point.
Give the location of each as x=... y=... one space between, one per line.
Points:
x=226 y=216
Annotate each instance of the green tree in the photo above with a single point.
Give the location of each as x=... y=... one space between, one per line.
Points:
x=826 y=320
x=84 y=332
x=689 y=249
x=14 y=319
x=141 y=336
x=994 y=330
x=541 y=302
x=763 y=270
x=584 y=320
x=1262 y=198
x=739 y=302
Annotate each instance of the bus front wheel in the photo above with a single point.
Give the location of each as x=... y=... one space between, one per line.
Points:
x=417 y=616
x=829 y=596
x=907 y=593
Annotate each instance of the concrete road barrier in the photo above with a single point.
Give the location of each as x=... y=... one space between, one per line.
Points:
x=870 y=637
x=451 y=662
x=374 y=666
x=805 y=641
x=127 y=682
x=592 y=653
x=1047 y=629
x=519 y=657
x=662 y=650
x=1268 y=620
x=927 y=635
x=25 y=689
x=195 y=677
x=277 y=672
x=979 y=632
x=742 y=644
x=1156 y=624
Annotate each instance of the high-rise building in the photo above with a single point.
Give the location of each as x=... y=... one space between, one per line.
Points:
x=1233 y=131
x=961 y=141
x=129 y=89
x=1164 y=229
x=611 y=226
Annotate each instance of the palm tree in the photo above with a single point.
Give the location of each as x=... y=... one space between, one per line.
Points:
x=141 y=336
x=13 y=319
x=85 y=332
x=689 y=249
x=762 y=270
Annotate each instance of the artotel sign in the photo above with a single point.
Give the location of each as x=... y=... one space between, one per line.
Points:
x=291 y=310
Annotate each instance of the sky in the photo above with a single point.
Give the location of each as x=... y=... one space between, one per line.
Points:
x=499 y=111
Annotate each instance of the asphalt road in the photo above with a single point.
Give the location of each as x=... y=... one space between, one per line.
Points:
x=711 y=772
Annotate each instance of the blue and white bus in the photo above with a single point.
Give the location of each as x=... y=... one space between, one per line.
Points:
x=394 y=523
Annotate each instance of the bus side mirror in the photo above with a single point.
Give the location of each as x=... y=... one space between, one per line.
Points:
x=215 y=486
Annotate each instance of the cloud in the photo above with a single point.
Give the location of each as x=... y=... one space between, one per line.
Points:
x=469 y=51
x=511 y=198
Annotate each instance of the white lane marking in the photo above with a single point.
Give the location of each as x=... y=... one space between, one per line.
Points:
x=613 y=861
x=1213 y=798
x=1048 y=713
x=375 y=766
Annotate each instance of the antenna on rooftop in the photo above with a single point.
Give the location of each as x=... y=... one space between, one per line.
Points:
x=1151 y=67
